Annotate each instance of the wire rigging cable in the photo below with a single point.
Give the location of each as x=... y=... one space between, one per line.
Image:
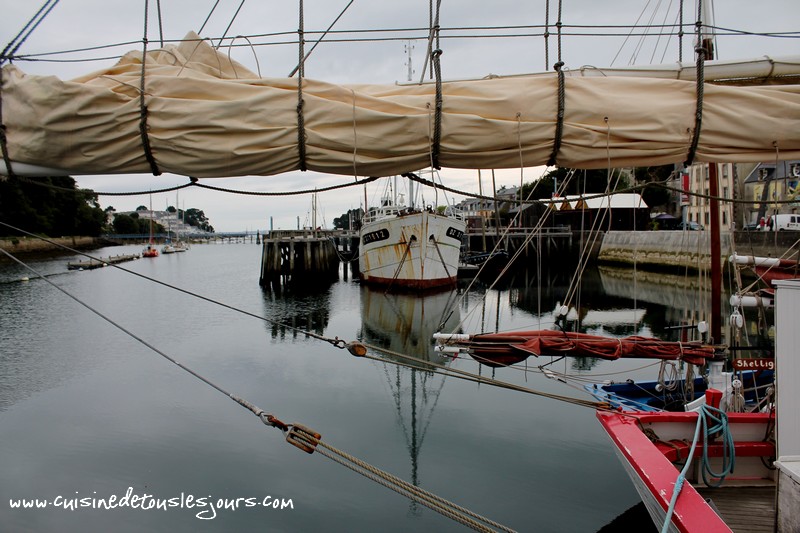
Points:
x=14 y=45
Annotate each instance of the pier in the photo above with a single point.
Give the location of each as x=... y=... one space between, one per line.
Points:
x=311 y=255
x=90 y=264
x=549 y=242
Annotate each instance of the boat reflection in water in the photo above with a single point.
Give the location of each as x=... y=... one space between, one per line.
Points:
x=405 y=324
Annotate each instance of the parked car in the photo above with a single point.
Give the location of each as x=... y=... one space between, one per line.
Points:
x=692 y=226
x=754 y=226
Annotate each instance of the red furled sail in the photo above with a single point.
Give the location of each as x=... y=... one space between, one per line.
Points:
x=502 y=348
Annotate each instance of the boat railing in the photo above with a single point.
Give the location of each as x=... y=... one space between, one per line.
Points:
x=455 y=212
x=381 y=213
x=388 y=211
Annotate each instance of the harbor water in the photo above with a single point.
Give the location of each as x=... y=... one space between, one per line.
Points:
x=90 y=413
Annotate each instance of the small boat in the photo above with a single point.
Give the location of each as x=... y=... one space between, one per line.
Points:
x=744 y=390
x=168 y=249
x=150 y=251
x=747 y=461
x=406 y=247
x=653 y=447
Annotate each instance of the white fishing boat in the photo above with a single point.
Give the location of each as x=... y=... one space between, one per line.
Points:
x=409 y=247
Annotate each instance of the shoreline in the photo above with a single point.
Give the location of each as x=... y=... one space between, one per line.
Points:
x=32 y=245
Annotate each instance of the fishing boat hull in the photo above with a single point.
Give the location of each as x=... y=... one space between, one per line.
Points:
x=649 y=445
x=411 y=250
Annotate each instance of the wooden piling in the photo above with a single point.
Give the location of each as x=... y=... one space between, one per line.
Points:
x=297 y=257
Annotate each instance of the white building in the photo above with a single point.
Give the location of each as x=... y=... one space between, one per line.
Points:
x=697 y=207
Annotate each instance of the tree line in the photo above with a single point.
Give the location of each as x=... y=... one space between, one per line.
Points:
x=55 y=207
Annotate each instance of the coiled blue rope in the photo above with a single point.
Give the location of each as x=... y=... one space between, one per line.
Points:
x=712 y=421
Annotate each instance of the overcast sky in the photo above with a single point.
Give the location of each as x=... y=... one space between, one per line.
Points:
x=76 y=24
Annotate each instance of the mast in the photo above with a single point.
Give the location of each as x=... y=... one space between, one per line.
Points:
x=706 y=47
x=151 y=218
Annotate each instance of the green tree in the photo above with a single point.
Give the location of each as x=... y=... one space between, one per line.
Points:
x=50 y=206
x=344 y=221
x=133 y=224
x=196 y=217
x=568 y=183
x=125 y=224
x=653 y=195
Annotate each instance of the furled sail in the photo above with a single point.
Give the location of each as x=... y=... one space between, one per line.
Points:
x=514 y=346
x=208 y=116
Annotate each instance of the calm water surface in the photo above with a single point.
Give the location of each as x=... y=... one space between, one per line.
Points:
x=87 y=411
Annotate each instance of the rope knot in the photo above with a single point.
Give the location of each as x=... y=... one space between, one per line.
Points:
x=558 y=65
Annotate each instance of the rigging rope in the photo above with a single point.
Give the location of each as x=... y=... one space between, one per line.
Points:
x=160 y=24
x=680 y=32
x=559 y=115
x=559 y=25
x=225 y=33
x=402 y=487
x=701 y=51
x=546 y=34
x=33 y=23
x=211 y=12
x=148 y=152
x=305 y=57
x=301 y=70
x=493 y=32
x=196 y=183
x=720 y=424
x=3 y=138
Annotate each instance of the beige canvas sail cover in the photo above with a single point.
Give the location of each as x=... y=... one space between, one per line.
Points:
x=209 y=116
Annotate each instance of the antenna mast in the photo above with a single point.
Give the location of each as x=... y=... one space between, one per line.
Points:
x=409 y=47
